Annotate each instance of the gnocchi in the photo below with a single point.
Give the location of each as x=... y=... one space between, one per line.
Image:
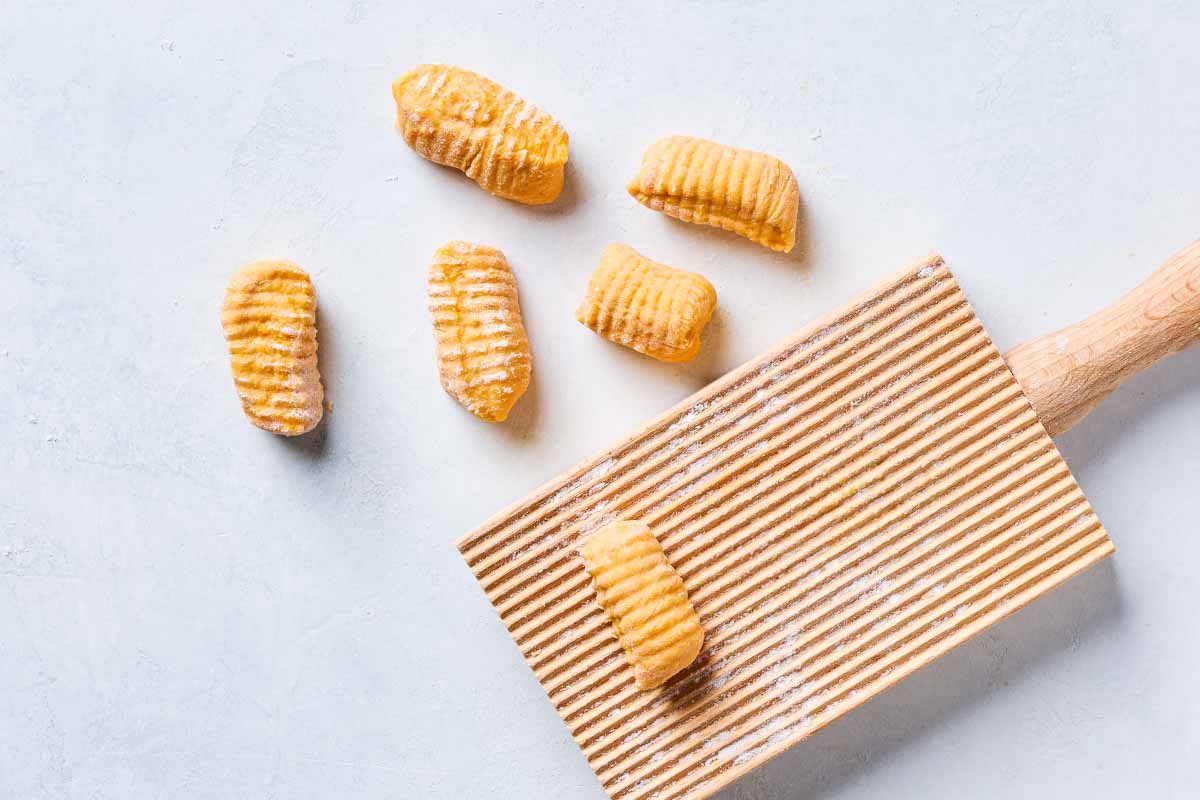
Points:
x=751 y=194
x=645 y=599
x=460 y=119
x=482 y=350
x=647 y=306
x=269 y=318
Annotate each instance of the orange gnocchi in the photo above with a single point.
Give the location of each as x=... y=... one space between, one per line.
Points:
x=751 y=194
x=646 y=601
x=482 y=350
x=269 y=318
x=460 y=119
x=647 y=306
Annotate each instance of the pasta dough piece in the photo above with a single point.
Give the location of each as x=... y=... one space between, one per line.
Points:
x=455 y=117
x=646 y=601
x=751 y=194
x=655 y=309
x=483 y=354
x=269 y=317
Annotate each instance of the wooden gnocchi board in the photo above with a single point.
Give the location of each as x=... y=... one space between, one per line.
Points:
x=843 y=510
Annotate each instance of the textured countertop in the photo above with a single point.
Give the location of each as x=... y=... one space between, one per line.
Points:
x=192 y=608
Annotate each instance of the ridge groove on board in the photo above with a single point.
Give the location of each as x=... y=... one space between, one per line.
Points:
x=774 y=372
x=555 y=491
x=843 y=510
x=845 y=503
x=758 y=421
x=929 y=635
x=756 y=479
x=795 y=613
x=761 y=464
x=716 y=622
x=867 y=613
x=837 y=657
x=772 y=610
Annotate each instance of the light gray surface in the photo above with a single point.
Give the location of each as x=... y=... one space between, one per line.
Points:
x=191 y=608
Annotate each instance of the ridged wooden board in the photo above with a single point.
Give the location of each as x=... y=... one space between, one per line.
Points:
x=843 y=510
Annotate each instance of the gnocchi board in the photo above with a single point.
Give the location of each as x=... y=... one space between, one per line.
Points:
x=843 y=509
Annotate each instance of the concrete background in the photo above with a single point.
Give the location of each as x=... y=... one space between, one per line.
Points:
x=191 y=608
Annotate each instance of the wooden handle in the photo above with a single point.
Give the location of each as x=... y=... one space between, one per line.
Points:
x=1067 y=373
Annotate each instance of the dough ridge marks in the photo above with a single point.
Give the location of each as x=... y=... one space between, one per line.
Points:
x=646 y=601
x=748 y=193
x=269 y=318
x=483 y=353
x=647 y=306
x=463 y=120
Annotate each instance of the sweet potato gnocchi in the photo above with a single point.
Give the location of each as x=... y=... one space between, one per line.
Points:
x=482 y=351
x=645 y=599
x=269 y=318
x=652 y=308
x=751 y=194
x=458 y=118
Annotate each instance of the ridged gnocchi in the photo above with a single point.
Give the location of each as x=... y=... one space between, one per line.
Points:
x=647 y=602
x=751 y=194
x=650 y=307
x=482 y=350
x=269 y=318
x=458 y=118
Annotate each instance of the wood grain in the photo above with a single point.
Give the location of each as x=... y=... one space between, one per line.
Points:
x=842 y=510
x=1067 y=373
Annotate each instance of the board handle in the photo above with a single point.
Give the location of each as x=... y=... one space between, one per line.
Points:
x=1067 y=373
